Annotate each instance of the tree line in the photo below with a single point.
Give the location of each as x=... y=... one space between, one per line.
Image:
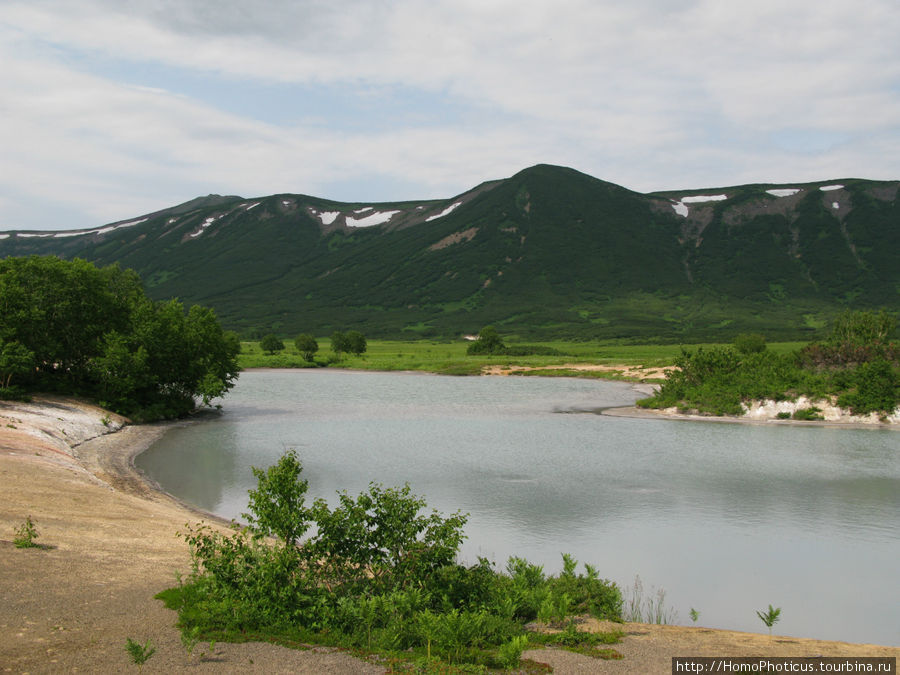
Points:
x=351 y=342
x=70 y=327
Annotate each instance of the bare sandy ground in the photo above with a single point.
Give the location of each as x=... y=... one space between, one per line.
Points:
x=112 y=545
x=635 y=373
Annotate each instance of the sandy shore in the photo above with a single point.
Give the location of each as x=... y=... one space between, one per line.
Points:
x=112 y=546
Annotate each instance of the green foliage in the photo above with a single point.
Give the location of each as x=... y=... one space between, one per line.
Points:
x=379 y=573
x=306 y=345
x=864 y=375
x=139 y=653
x=750 y=343
x=339 y=343
x=15 y=360
x=509 y=653
x=26 y=534
x=488 y=342
x=71 y=327
x=276 y=504
x=810 y=414
x=695 y=614
x=271 y=344
x=355 y=342
x=876 y=388
x=863 y=327
x=770 y=617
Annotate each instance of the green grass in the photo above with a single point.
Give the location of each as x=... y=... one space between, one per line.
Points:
x=449 y=358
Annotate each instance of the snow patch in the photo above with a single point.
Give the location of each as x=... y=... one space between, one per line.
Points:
x=254 y=204
x=285 y=202
x=206 y=223
x=328 y=217
x=172 y=220
x=697 y=199
x=829 y=188
x=835 y=205
x=785 y=192
x=376 y=218
x=4 y=236
x=70 y=234
x=130 y=223
x=363 y=210
x=680 y=209
x=445 y=212
x=29 y=236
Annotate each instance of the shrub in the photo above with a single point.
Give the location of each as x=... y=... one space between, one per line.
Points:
x=379 y=573
x=750 y=343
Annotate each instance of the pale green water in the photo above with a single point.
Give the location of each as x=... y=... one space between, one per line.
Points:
x=726 y=518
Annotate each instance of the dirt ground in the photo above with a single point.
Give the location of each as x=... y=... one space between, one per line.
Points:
x=111 y=545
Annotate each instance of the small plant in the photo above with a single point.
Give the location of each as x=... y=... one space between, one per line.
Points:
x=189 y=639
x=510 y=652
x=695 y=614
x=26 y=534
x=808 y=414
x=105 y=420
x=771 y=617
x=783 y=416
x=139 y=653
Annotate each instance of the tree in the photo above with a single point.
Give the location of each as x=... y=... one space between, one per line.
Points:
x=89 y=331
x=488 y=342
x=339 y=343
x=271 y=344
x=355 y=342
x=15 y=360
x=276 y=505
x=307 y=346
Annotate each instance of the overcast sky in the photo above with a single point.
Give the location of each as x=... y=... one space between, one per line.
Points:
x=114 y=108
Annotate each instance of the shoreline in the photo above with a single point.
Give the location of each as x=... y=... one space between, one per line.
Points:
x=651 y=414
x=111 y=529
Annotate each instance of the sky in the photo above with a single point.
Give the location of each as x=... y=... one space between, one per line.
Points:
x=110 y=109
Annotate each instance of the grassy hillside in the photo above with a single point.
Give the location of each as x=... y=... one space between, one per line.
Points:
x=547 y=253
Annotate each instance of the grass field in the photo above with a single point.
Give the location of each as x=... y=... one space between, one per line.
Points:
x=449 y=358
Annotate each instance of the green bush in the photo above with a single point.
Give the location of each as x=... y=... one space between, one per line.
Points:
x=379 y=573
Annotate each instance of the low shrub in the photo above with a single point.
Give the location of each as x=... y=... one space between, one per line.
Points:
x=379 y=574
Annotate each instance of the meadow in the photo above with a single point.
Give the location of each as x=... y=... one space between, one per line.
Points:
x=450 y=358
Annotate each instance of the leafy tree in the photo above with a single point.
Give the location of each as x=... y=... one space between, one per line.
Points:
x=15 y=360
x=488 y=342
x=339 y=343
x=276 y=505
x=93 y=332
x=355 y=342
x=306 y=345
x=271 y=344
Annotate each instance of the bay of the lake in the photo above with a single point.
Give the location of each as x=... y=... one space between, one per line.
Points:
x=726 y=518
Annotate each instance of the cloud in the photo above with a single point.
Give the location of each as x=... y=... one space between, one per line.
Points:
x=123 y=104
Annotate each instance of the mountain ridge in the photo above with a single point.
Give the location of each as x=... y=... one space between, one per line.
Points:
x=547 y=252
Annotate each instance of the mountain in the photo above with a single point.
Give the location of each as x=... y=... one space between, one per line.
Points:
x=547 y=253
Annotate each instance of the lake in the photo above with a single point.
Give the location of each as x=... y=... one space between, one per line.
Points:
x=726 y=518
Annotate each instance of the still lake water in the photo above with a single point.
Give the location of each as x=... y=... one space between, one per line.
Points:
x=727 y=518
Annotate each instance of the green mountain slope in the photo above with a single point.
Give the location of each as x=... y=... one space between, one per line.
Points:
x=549 y=252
